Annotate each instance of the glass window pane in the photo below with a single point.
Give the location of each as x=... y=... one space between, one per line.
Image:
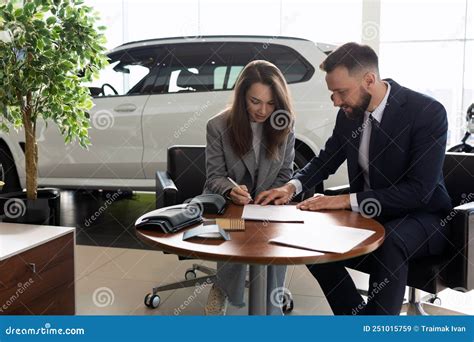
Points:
x=328 y=21
x=468 y=98
x=470 y=19
x=148 y=19
x=219 y=77
x=111 y=16
x=193 y=67
x=422 y=20
x=234 y=73
x=239 y=17
x=432 y=68
x=127 y=71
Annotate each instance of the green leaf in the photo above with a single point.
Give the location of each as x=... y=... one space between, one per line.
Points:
x=29 y=8
x=18 y=12
x=51 y=20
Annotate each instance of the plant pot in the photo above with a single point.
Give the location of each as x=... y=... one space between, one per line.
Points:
x=45 y=210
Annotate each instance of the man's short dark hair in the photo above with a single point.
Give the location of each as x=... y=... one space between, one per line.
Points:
x=354 y=57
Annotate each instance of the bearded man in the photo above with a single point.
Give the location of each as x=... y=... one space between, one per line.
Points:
x=394 y=141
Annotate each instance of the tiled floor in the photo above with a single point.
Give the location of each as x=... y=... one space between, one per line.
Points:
x=114 y=281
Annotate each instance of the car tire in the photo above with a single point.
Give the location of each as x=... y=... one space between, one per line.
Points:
x=8 y=172
x=299 y=162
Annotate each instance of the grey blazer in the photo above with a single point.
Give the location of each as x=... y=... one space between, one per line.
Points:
x=222 y=162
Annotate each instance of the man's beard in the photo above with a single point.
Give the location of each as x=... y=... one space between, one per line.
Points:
x=359 y=110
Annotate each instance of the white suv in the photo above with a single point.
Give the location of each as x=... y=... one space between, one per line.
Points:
x=161 y=92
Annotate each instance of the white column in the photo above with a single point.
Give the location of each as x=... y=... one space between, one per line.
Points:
x=371 y=23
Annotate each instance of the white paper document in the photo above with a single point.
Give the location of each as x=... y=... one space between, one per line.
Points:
x=273 y=213
x=335 y=239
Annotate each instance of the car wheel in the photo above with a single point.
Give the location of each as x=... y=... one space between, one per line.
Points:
x=299 y=162
x=8 y=173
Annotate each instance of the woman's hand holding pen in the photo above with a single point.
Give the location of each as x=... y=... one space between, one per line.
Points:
x=240 y=195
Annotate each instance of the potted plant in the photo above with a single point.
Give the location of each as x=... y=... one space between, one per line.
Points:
x=48 y=48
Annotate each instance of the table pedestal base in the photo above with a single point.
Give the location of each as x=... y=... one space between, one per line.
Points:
x=258 y=290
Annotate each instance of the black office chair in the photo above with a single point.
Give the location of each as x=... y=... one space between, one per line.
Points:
x=453 y=268
x=184 y=179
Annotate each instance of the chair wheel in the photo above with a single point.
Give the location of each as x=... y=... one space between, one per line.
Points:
x=152 y=301
x=190 y=274
x=435 y=300
x=288 y=303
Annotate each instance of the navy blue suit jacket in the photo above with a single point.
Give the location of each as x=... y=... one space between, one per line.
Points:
x=406 y=155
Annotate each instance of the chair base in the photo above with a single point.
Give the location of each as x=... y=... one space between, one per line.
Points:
x=416 y=306
x=152 y=300
x=210 y=277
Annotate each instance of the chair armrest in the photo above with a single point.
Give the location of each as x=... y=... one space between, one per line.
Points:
x=461 y=256
x=166 y=191
x=337 y=190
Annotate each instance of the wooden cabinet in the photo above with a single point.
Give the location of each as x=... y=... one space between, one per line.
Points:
x=39 y=279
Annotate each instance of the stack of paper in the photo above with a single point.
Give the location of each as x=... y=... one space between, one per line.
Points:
x=335 y=239
x=273 y=213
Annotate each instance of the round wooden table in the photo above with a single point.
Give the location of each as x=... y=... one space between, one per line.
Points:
x=252 y=247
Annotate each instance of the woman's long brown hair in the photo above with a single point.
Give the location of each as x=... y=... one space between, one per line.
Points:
x=278 y=124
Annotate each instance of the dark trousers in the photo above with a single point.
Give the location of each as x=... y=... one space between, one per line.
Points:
x=405 y=239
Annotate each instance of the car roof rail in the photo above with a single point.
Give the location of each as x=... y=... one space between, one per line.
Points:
x=212 y=36
x=326 y=48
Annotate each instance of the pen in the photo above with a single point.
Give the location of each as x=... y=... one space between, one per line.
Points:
x=237 y=185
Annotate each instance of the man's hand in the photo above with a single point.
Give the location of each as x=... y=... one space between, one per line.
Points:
x=240 y=195
x=281 y=195
x=320 y=202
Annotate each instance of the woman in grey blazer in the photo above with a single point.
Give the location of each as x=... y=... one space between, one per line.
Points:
x=251 y=142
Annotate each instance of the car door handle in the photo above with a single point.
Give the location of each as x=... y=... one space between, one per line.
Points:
x=125 y=108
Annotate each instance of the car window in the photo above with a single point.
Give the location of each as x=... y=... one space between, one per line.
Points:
x=127 y=72
x=225 y=77
x=293 y=66
x=194 y=67
x=197 y=67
